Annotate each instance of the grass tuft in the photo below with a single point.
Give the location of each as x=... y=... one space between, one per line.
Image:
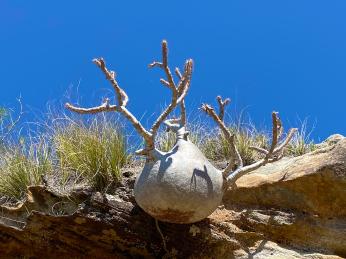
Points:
x=93 y=152
x=214 y=145
x=301 y=142
x=23 y=166
x=216 y=148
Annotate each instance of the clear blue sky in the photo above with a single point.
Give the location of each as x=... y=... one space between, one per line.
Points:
x=288 y=56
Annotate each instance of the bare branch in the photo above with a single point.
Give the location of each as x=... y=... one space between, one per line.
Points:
x=110 y=76
x=165 y=83
x=260 y=150
x=222 y=105
x=273 y=154
x=276 y=129
x=148 y=137
x=182 y=104
x=183 y=86
x=164 y=65
x=280 y=129
x=183 y=113
x=122 y=100
x=178 y=74
x=178 y=92
x=178 y=95
x=185 y=82
x=286 y=141
x=235 y=156
x=142 y=152
x=104 y=107
x=173 y=124
x=156 y=64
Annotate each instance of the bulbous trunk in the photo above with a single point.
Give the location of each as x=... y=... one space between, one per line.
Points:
x=181 y=186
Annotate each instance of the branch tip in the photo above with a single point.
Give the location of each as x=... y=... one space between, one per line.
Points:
x=273 y=154
x=178 y=94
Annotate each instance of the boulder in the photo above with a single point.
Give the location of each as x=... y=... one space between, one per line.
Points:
x=298 y=201
x=330 y=141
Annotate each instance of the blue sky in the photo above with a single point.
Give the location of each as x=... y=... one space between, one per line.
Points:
x=288 y=56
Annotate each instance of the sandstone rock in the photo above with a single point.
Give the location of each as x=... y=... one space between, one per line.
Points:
x=298 y=201
x=294 y=208
x=330 y=141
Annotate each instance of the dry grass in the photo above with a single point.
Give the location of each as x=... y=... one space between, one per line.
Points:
x=22 y=166
x=214 y=145
x=216 y=148
x=301 y=142
x=66 y=152
x=91 y=151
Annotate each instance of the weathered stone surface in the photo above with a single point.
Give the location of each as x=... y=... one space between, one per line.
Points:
x=299 y=201
x=330 y=141
x=295 y=208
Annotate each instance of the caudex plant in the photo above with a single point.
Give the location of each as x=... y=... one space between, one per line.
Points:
x=181 y=185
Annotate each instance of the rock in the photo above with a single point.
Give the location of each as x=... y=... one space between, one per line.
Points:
x=330 y=141
x=294 y=208
x=299 y=201
x=270 y=250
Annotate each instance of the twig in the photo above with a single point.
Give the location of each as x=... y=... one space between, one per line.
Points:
x=222 y=105
x=273 y=154
x=178 y=91
x=235 y=156
x=178 y=94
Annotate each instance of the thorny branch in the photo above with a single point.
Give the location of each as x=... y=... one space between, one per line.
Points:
x=122 y=99
x=273 y=154
x=104 y=107
x=182 y=104
x=235 y=157
x=179 y=92
x=110 y=76
x=222 y=105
